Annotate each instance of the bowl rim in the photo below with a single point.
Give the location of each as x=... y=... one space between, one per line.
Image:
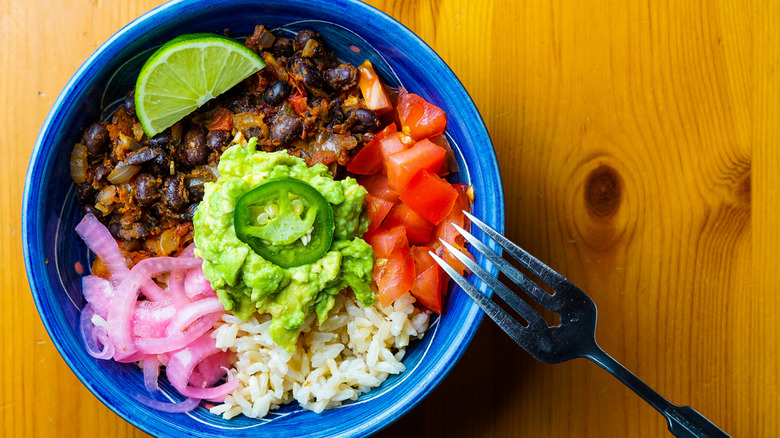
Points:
x=114 y=43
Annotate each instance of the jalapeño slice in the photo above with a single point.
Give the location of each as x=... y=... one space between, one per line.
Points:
x=285 y=221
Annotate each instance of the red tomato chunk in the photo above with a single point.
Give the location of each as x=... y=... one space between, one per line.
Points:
x=369 y=160
x=373 y=91
x=418 y=230
x=377 y=209
x=419 y=118
x=429 y=196
x=408 y=201
x=403 y=165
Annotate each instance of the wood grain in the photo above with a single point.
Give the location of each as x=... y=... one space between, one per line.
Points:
x=639 y=145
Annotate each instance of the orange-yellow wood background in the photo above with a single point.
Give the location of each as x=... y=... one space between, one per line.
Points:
x=639 y=143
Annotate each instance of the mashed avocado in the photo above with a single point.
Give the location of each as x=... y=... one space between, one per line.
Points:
x=245 y=281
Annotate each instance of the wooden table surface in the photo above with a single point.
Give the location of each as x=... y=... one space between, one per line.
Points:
x=639 y=144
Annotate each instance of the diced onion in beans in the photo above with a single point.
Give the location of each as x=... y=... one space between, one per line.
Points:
x=78 y=163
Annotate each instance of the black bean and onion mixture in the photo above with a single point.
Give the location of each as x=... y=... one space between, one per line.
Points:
x=146 y=190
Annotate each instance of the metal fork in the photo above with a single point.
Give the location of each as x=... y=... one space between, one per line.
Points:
x=576 y=334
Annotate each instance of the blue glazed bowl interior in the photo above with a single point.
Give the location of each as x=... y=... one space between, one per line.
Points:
x=355 y=32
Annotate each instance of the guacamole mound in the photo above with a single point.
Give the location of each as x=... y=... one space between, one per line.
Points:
x=245 y=282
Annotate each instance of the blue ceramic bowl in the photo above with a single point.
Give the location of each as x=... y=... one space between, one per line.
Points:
x=52 y=250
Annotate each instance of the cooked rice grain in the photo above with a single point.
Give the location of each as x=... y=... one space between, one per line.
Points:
x=353 y=351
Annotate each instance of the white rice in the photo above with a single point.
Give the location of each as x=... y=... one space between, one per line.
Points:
x=355 y=350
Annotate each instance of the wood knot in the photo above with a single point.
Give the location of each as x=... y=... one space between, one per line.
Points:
x=603 y=191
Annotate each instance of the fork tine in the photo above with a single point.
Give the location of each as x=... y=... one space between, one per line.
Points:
x=508 y=324
x=539 y=269
x=514 y=275
x=518 y=305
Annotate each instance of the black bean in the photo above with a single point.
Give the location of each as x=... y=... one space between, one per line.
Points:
x=160 y=165
x=162 y=139
x=129 y=104
x=303 y=37
x=367 y=121
x=336 y=114
x=86 y=193
x=285 y=128
x=139 y=230
x=102 y=171
x=142 y=156
x=217 y=140
x=147 y=189
x=341 y=78
x=174 y=193
x=304 y=69
x=195 y=193
x=282 y=47
x=88 y=209
x=96 y=138
x=277 y=93
x=189 y=213
x=115 y=228
x=194 y=151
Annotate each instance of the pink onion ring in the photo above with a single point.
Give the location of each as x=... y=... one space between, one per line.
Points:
x=196 y=284
x=176 y=289
x=173 y=408
x=152 y=318
x=178 y=341
x=191 y=313
x=183 y=362
x=98 y=292
x=189 y=251
x=211 y=369
x=151 y=373
x=101 y=242
x=120 y=314
x=91 y=335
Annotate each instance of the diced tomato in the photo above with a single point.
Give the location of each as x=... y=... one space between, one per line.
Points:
x=377 y=185
x=374 y=92
x=391 y=144
x=377 y=209
x=445 y=230
x=450 y=164
x=422 y=260
x=449 y=234
x=386 y=242
x=430 y=196
x=369 y=159
x=222 y=121
x=419 y=118
x=427 y=288
x=298 y=102
x=395 y=278
x=403 y=165
x=427 y=284
x=418 y=229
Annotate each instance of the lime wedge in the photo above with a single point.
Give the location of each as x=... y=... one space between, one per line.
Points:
x=185 y=73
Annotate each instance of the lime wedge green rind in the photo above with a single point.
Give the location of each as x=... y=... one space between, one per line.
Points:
x=187 y=72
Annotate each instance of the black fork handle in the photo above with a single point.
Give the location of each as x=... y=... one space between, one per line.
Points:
x=684 y=422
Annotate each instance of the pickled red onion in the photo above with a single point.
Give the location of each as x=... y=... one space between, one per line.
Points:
x=120 y=314
x=101 y=242
x=151 y=373
x=180 y=340
x=183 y=362
x=173 y=408
x=92 y=335
x=195 y=284
x=191 y=313
x=172 y=328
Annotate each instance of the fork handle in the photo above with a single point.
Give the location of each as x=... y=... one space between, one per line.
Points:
x=684 y=422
